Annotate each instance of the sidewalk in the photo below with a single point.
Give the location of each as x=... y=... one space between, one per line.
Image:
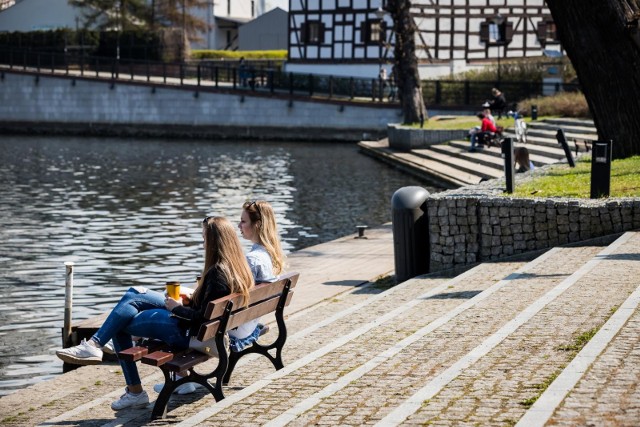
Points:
x=326 y=270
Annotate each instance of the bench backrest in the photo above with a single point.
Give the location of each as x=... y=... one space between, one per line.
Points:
x=263 y=299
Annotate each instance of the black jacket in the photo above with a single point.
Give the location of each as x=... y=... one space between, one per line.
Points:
x=192 y=316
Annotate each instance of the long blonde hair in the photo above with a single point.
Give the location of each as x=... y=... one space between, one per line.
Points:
x=263 y=220
x=222 y=249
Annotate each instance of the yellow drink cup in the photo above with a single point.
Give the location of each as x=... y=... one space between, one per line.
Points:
x=173 y=290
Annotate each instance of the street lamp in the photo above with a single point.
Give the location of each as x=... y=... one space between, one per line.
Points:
x=497 y=36
x=496 y=32
x=118 y=23
x=380 y=14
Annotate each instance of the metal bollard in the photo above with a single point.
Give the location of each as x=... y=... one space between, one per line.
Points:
x=601 y=169
x=509 y=170
x=68 y=304
x=410 y=232
x=534 y=112
x=562 y=140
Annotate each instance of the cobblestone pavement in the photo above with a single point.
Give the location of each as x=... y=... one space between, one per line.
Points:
x=479 y=348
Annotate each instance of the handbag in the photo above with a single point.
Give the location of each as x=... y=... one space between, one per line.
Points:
x=207 y=347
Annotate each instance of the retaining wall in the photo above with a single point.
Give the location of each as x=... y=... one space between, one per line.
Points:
x=31 y=103
x=406 y=139
x=476 y=224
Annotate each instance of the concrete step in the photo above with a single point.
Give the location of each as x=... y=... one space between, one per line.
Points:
x=461 y=160
x=491 y=156
x=424 y=168
x=459 y=149
x=550 y=132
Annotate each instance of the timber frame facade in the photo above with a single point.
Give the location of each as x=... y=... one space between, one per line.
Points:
x=358 y=31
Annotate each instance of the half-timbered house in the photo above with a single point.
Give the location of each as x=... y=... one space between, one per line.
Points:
x=355 y=37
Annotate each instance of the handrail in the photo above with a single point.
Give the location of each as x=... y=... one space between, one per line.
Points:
x=207 y=75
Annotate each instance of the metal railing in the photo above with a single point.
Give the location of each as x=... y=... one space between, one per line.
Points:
x=256 y=77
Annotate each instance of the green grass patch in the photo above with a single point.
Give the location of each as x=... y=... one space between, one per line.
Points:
x=464 y=122
x=562 y=181
x=385 y=282
x=527 y=403
x=580 y=341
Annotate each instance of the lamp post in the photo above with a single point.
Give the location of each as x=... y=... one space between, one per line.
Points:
x=380 y=14
x=118 y=23
x=497 y=34
x=184 y=29
x=498 y=22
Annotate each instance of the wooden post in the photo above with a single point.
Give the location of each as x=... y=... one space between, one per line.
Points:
x=68 y=303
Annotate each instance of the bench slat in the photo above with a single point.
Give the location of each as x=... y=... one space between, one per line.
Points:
x=133 y=354
x=157 y=358
x=209 y=330
x=186 y=360
x=258 y=293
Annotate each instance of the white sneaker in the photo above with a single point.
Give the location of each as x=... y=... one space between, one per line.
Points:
x=81 y=354
x=186 y=388
x=108 y=348
x=130 y=400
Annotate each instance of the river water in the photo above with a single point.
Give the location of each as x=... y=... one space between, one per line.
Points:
x=128 y=212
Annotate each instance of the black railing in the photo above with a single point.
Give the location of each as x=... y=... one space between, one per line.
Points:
x=265 y=78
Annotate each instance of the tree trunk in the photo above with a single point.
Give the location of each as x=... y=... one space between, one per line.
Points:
x=602 y=39
x=406 y=64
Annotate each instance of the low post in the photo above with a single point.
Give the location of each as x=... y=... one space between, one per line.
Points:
x=534 y=112
x=68 y=304
x=601 y=169
x=509 y=170
x=562 y=139
x=410 y=232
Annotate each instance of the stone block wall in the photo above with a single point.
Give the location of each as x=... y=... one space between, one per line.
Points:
x=406 y=139
x=137 y=107
x=466 y=226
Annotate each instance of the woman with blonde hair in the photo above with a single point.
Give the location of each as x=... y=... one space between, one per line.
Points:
x=225 y=271
x=266 y=260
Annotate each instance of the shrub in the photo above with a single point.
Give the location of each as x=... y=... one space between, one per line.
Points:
x=565 y=104
x=237 y=54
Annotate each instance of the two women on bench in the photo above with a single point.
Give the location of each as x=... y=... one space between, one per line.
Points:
x=146 y=313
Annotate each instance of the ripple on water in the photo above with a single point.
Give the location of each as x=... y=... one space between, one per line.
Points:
x=128 y=213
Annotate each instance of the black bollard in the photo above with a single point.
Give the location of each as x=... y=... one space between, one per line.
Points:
x=562 y=139
x=601 y=169
x=509 y=170
x=534 y=112
x=410 y=232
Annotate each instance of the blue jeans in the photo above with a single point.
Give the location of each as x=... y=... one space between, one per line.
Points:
x=141 y=314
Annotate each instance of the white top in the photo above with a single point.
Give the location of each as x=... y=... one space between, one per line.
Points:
x=262 y=269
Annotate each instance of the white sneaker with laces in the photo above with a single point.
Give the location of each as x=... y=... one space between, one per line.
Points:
x=130 y=400
x=81 y=354
x=186 y=388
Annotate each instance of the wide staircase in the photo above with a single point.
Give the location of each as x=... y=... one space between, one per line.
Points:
x=451 y=165
x=541 y=143
x=547 y=338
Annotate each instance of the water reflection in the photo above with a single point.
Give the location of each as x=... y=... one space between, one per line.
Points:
x=128 y=212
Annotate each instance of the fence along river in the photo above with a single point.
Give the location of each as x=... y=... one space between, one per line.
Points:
x=128 y=212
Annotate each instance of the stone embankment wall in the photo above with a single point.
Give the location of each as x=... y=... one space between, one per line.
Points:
x=406 y=139
x=31 y=103
x=476 y=224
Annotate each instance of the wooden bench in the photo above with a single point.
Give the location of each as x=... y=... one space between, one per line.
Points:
x=222 y=315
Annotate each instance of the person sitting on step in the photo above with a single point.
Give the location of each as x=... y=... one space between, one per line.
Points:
x=487 y=129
